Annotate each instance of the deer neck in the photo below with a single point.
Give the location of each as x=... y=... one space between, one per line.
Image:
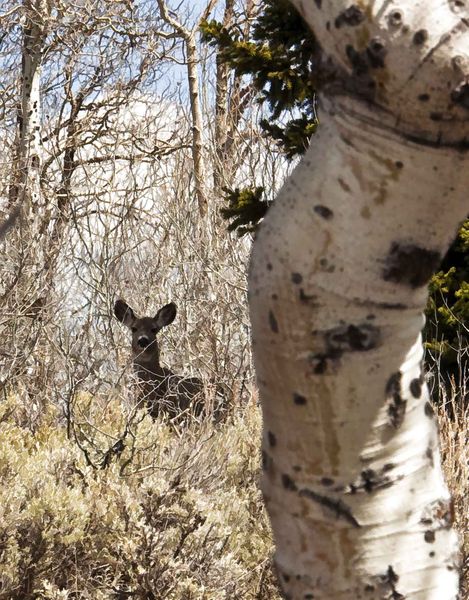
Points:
x=148 y=367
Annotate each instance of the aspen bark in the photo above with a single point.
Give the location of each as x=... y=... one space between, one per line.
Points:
x=351 y=469
x=24 y=190
x=200 y=173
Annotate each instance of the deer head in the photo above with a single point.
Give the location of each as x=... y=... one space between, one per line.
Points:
x=144 y=330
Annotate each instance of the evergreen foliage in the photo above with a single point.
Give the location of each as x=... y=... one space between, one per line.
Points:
x=279 y=58
x=245 y=207
x=446 y=332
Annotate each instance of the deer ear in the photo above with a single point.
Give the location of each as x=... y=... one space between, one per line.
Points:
x=124 y=313
x=165 y=315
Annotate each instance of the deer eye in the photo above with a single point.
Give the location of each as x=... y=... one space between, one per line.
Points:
x=154 y=329
x=134 y=329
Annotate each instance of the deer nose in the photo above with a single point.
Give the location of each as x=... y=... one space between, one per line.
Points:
x=143 y=341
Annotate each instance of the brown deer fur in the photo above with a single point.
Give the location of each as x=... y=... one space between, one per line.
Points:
x=163 y=391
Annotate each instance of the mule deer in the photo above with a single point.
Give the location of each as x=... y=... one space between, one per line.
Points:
x=162 y=390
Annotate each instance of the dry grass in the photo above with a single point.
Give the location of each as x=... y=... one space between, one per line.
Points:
x=172 y=516
x=455 y=454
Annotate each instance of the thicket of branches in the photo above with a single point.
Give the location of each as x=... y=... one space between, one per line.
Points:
x=106 y=170
x=116 y=155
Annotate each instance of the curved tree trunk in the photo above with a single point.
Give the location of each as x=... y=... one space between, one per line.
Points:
x=352 y=477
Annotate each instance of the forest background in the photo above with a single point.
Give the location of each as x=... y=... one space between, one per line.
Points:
x=145 y=126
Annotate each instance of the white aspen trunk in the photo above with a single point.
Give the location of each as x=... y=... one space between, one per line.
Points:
x=24 y=189
x=221 y=110
x=351 y=467
x=200 y=173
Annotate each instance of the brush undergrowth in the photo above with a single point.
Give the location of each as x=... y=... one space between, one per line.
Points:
x=118 y=506
x=171 y=515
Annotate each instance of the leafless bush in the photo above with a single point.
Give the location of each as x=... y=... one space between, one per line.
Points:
x=115 y=211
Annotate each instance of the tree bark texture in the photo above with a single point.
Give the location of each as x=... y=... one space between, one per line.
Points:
x=222 y=125
x=25 y=186
x=200 y=173
x=351 y=468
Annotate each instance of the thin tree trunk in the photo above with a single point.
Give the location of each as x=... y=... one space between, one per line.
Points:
x=221 y=108
x=23 y=294
x=189 y=37
x=352 y=477
x=24 y=187
x=231 y=102
x=62 y=212
x=200 y=173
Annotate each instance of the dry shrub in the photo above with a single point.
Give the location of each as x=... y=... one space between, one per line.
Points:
x=175 y=514
x=453 y=417
x=169 y=513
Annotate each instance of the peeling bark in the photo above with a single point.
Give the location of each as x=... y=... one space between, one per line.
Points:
x=353 y=483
